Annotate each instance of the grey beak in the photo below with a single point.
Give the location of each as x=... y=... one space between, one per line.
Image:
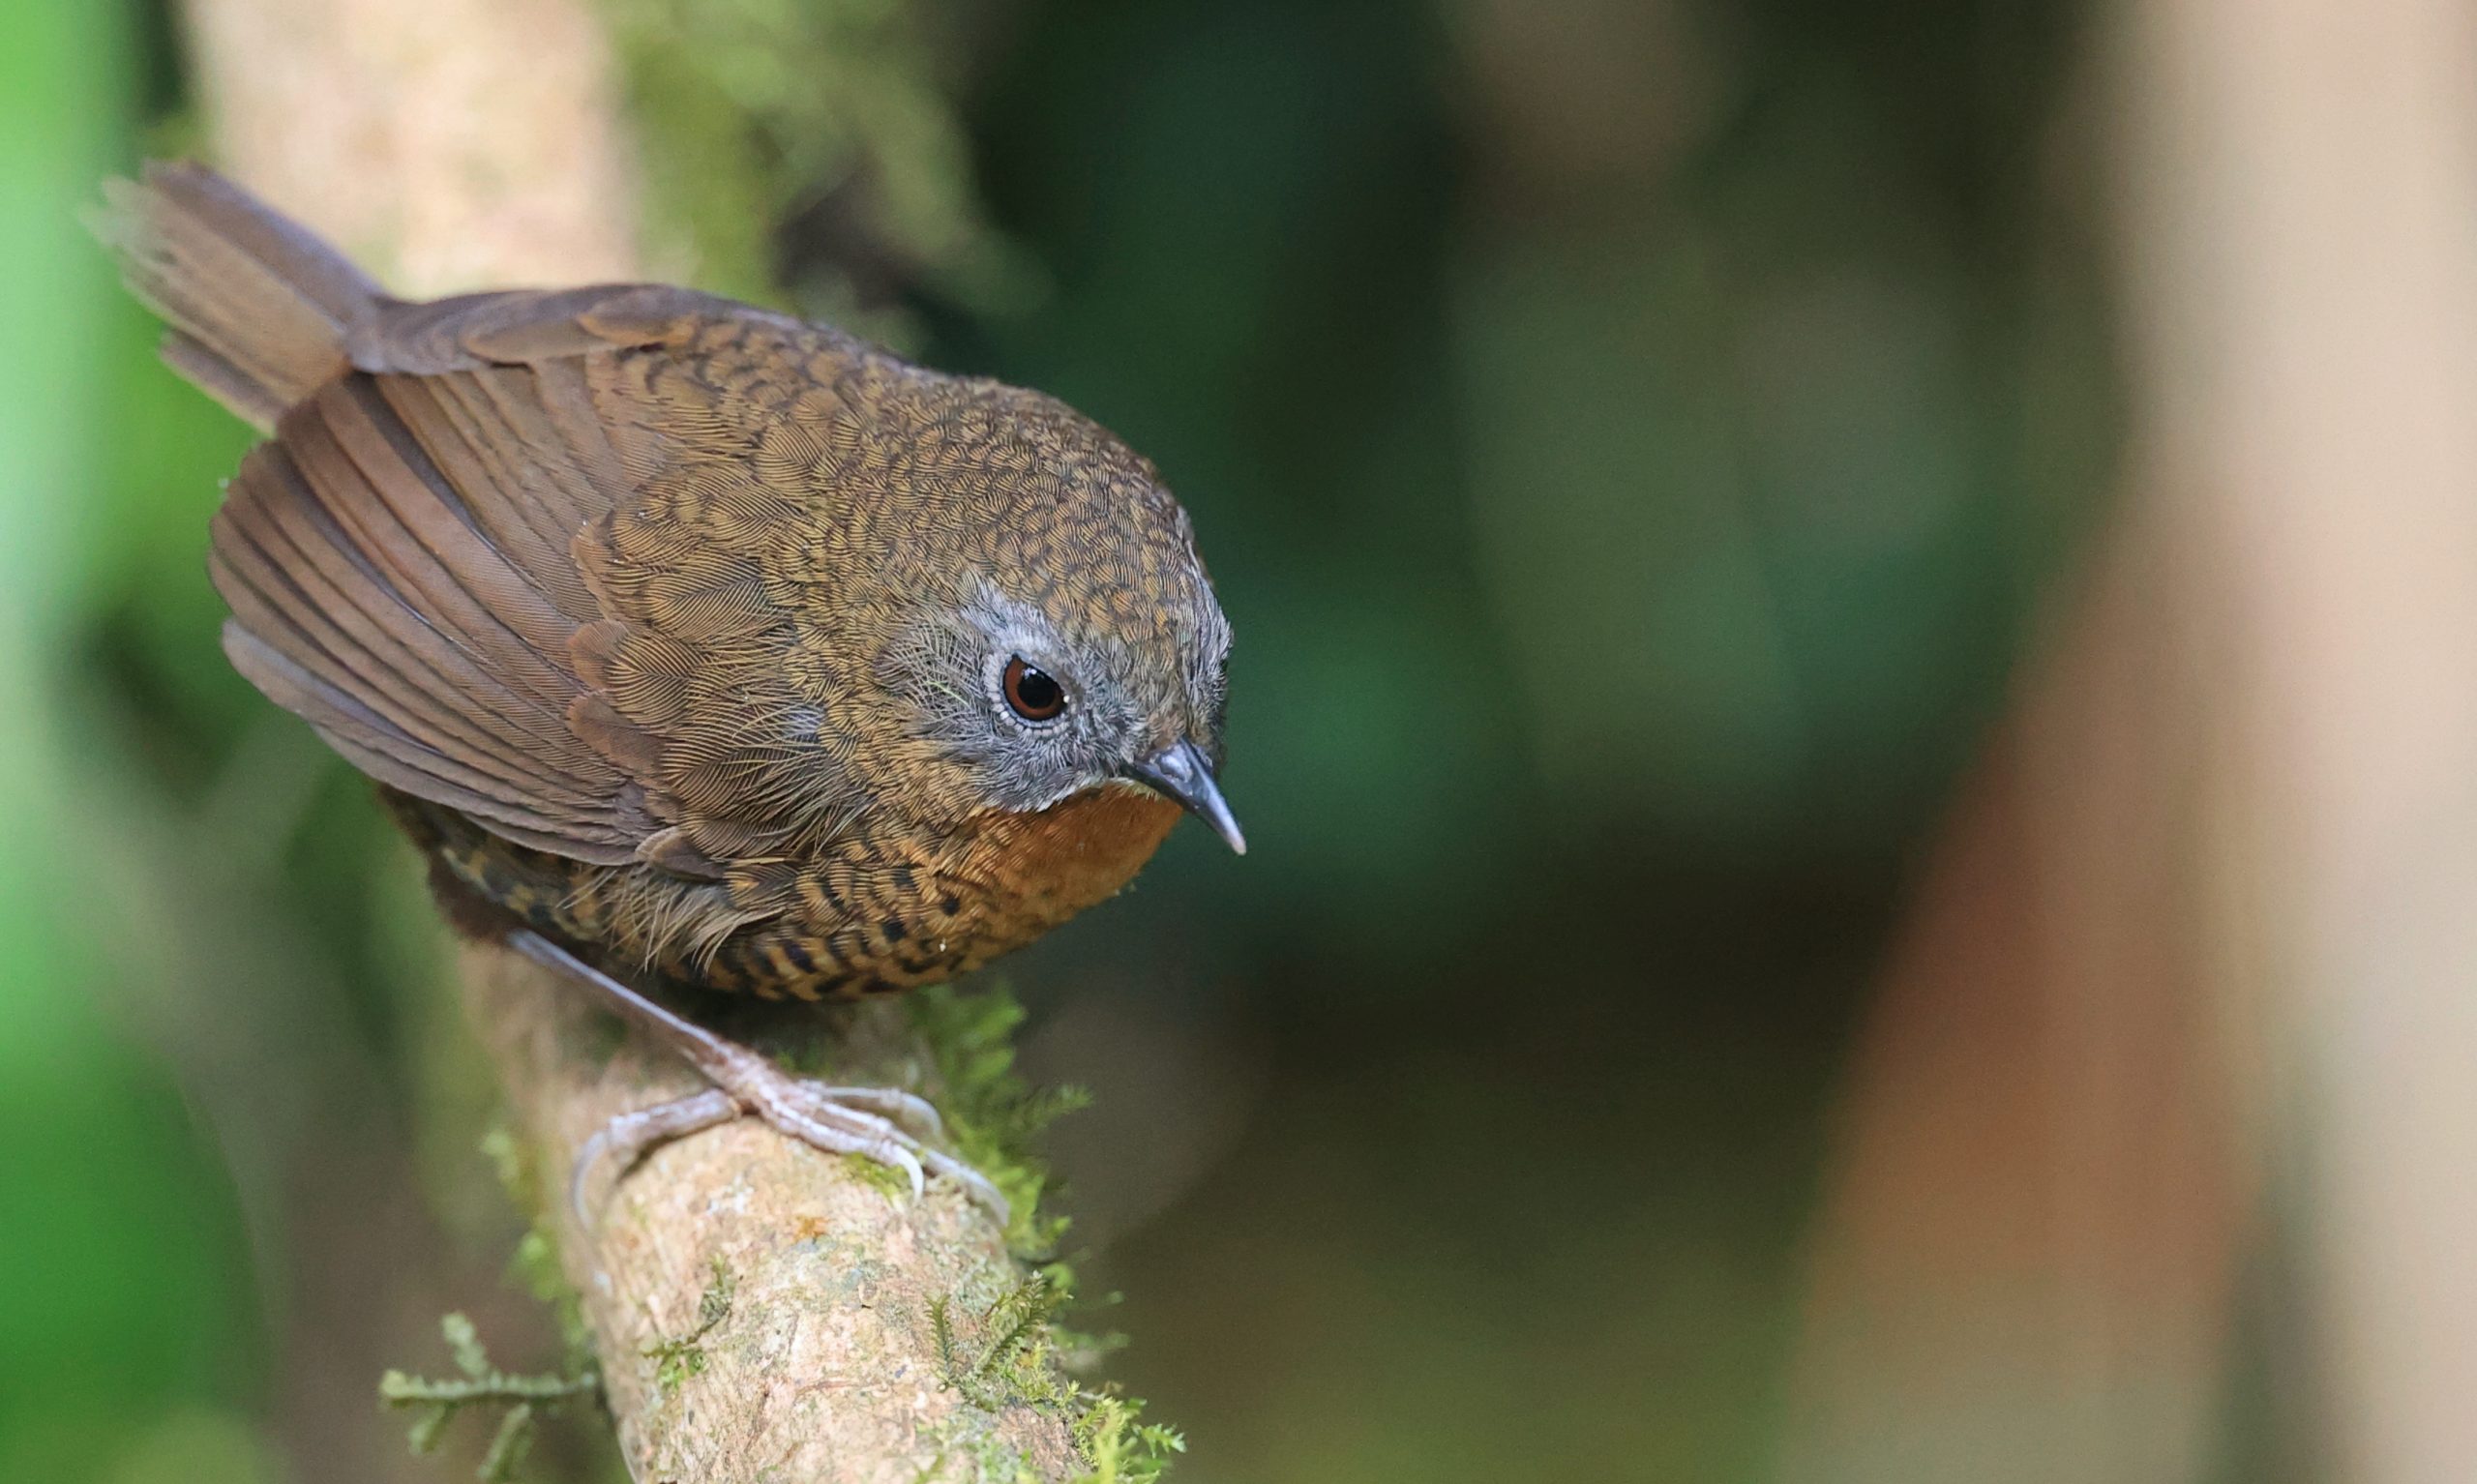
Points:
x=1180 y=773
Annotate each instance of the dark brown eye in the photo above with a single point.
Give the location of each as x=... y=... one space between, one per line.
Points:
x=1033 y=693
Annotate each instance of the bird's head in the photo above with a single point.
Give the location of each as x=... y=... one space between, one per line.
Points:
x=1070 y=639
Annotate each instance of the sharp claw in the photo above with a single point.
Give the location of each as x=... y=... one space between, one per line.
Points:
x=896 y=1145
x=908 y=1106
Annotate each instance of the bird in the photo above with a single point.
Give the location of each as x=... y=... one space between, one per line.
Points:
x=692 y=643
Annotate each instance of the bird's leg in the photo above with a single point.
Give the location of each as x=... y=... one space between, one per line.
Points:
x=867 y=1121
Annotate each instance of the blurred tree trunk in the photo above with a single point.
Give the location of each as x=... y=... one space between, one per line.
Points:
x=761 y=1310
x=2211 y=900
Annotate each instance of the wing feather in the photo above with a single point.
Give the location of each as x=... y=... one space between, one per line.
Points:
x=285 y=593
x=505 y=567
x=297 y=579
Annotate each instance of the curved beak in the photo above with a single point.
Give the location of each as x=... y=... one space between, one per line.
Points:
x=1180 y=773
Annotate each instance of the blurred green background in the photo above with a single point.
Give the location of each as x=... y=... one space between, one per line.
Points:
x=1628 y=435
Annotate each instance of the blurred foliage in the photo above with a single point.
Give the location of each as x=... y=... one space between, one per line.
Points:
x=1630 y=440
x=830 y=115
x=1628 y=435
x=127 y=1291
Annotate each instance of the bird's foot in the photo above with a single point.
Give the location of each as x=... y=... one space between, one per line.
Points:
x=885 y=1124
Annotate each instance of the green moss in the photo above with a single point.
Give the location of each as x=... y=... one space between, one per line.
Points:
x=1012 y=1354
x=1004 y=1352
x=878 y=1175
x=678 y=1358
x=1121 y=1446
x=993 y=1117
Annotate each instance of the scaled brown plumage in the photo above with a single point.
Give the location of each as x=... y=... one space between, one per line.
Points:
x=676 y=628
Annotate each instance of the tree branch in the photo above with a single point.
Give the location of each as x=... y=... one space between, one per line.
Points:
x=760 y=1310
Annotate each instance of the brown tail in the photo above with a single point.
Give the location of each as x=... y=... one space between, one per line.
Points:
x=260 y=309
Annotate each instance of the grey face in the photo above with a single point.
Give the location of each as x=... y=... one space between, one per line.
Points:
x=1035 y=713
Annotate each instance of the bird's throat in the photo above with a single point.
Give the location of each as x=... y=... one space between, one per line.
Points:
x=1062 y=859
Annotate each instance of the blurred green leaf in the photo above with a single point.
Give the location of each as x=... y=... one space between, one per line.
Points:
x=117 y=1255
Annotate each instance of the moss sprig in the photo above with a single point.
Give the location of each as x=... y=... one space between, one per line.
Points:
x=682 y=1356
x=481 y=1385
x=1014 y=1355
x=1119 y=1445
x=993 y=1117
x=1005 y=1341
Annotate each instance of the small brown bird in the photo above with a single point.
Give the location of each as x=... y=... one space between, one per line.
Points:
x=690 y=639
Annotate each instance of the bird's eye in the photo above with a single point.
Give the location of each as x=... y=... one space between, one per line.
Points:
x=1034 y=693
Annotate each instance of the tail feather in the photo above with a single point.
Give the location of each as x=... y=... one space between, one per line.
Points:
x=260 y=309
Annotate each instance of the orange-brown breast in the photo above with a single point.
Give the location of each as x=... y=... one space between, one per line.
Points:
x=885 y=911
x=1049 y=866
